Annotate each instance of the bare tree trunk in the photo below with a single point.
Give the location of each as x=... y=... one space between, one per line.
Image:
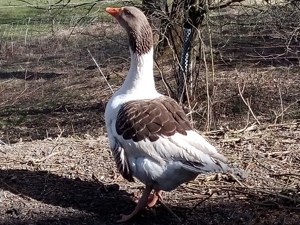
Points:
x=194 y=14
x=177 y=25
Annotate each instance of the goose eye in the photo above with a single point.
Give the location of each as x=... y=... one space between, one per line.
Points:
x=127 y=13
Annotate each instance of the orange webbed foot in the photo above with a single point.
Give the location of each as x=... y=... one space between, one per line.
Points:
x=142 y=203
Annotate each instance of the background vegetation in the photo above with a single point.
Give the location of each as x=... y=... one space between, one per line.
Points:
x=55 y=164
x=245 y=68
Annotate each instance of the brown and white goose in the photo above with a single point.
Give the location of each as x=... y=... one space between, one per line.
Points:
x=150 y=136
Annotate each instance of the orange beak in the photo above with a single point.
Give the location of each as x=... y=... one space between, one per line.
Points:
x=115 y=12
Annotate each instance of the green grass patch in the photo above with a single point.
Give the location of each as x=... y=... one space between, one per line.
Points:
x=20 y=18
x=14 y=11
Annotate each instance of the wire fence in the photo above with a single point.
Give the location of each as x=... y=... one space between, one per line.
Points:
x=268 y=15
x=46 y=31
x=46 y=19
x=274 y=28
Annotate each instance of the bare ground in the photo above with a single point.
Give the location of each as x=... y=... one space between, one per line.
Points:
x=74 y=181
x=56 y=166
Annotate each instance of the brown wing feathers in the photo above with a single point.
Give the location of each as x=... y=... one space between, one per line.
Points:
x=141 y=119
x=122 y=161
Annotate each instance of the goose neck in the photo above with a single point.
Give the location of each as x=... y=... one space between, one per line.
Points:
x=140 y=75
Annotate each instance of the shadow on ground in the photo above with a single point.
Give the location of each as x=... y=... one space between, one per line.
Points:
x=91 y=197
x=56 y=199
x=28 y=75
x=65 y=119
x=78 y=201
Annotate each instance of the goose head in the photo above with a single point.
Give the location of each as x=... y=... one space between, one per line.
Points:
x=137 y=27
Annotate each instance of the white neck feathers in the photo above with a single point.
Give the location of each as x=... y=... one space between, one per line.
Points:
x=140 y=78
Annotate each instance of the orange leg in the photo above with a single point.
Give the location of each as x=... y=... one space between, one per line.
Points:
x=142 y=203
x=154 y=198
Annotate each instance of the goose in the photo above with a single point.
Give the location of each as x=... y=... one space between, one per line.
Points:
x=149 y=134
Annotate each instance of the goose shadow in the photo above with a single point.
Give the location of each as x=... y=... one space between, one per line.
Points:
x=90 y=201
x=91 y=197
x=80 y=201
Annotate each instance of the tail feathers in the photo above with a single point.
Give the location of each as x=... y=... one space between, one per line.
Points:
x=217 y=166
x=240 y=173
x=218 y=156
x=199 y=167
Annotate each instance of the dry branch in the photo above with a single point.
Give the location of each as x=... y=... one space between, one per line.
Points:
x=225 y=5
x=247 y=103
x=112 y=91
x=194 y=207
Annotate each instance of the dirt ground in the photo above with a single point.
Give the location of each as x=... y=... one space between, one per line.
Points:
x=74 y=181
x=56 y=166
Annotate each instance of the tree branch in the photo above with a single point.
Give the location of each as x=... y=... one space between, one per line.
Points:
x=225 y=5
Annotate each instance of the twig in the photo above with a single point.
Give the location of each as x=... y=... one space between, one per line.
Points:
x=81 y=18
x=264 y=191
x=167 y=86
x=281 y=125
x=170 y=211
x=285 y=174
x=2 y=143
x=207 y=89
x=194 y=207
x=100 y=71
x=237 y=180
x=231 y=140
x=276 y=194
x=247 y=102
x=210 y=46
x=283 y=110
x=220 y=6
x=15 y=191
x=214 y=132
x=47 y=156
x=281 y=103
x=246 y=128
x=277 y=153
x=44 y=158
